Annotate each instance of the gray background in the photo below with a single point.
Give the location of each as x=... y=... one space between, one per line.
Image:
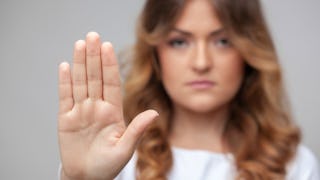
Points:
x=36 y=35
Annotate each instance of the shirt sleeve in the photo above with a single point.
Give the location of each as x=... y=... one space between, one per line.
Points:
x=59 y=171
x=305 y=166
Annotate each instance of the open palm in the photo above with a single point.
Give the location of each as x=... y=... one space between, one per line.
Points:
x=94 y=141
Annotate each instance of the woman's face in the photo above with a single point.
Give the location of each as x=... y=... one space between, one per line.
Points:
x=200 y=69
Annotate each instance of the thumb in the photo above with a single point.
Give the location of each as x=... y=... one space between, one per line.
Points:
x=136 y=128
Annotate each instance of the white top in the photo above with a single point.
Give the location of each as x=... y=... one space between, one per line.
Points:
x=204 y=165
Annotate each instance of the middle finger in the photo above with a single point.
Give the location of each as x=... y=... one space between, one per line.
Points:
x=93 y=62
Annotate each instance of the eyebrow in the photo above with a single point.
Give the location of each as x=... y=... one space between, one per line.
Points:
x=186 y=33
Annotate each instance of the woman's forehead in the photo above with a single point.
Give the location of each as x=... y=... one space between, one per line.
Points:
x=198 y=16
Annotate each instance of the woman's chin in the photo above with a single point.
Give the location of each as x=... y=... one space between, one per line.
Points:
x=204 y=107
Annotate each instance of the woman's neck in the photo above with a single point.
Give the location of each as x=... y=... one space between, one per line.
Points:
x=204 y=131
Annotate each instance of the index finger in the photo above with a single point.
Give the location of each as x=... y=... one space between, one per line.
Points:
x=111 y=77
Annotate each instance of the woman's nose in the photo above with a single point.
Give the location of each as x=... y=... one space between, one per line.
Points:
x=201 y=62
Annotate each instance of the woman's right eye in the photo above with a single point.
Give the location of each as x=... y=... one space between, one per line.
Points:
x=178 y=43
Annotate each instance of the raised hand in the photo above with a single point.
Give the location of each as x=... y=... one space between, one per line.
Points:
x=94 y=141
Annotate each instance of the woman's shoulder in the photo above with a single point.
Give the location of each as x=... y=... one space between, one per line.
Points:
x=304 y=166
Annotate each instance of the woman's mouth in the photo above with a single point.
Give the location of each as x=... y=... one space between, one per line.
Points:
x=201 y=84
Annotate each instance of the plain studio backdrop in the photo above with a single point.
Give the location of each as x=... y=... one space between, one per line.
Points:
x=36 y=35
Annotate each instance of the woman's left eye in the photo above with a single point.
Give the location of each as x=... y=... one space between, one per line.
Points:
x=223 y=42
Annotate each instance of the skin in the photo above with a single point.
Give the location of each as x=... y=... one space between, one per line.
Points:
x=201 y=72
x=94 y=141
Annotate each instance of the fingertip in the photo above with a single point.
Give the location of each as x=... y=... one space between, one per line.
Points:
x=152 y=113
x=64 y=66
x=136 y=128
x=93 y=35
x=148 y=116
x=107 y=45
x=79 y=44
x=93 y=44
x=108 y=55
x=64 y=72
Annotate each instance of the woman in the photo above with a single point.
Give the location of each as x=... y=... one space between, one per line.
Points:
x=210 y=72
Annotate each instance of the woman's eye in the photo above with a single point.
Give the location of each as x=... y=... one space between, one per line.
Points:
x=178 y=43
x=223 y=42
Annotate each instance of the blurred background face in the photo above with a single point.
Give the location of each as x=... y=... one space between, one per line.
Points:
x=200 y=69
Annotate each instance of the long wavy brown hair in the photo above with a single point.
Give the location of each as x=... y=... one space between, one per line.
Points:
x=260 y=133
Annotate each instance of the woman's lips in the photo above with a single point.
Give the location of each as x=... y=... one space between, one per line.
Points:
x=201 y=84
